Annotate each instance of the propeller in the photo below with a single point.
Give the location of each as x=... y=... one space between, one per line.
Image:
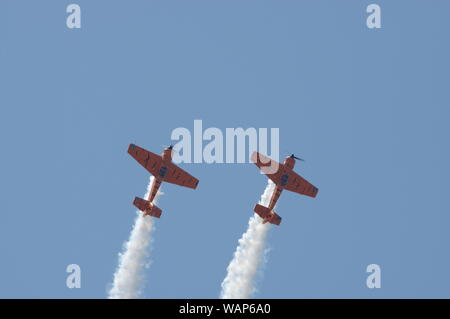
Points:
x=285 y=151
x=298 y=158
x=170 y=147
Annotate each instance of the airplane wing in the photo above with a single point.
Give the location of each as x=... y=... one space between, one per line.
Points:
x=298 y=184
x=149 y=160
x=273 y=170
x=268 y=166
x=176 y=175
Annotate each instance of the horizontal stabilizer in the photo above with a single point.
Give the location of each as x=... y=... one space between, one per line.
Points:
x=147 y=208
x=267 y=215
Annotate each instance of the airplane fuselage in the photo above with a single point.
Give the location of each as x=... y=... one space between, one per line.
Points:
x=166 y=160
x=289 y=164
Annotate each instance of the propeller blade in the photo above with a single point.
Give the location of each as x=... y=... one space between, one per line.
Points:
x=298 y=158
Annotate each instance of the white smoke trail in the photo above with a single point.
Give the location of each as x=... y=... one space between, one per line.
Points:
x=242 y=270
x=129 y=275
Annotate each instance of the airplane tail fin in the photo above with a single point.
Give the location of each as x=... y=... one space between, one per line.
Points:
x=267 y=215
x=147 y=208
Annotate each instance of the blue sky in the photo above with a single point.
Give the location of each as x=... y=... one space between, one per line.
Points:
x=367 y=109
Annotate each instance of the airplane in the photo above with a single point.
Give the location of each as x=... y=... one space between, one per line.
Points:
x=284 y=178
x=162 y=168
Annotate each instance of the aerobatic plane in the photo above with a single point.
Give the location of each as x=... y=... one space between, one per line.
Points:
x=284 y=177
x=162 y=168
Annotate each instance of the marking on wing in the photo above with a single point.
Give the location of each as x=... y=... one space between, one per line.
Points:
x=146 y=161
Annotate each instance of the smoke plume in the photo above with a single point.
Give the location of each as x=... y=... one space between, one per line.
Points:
x=134 y=258
x=249 y=255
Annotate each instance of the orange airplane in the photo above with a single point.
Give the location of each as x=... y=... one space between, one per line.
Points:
x=162 y=168
x=284 y=178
